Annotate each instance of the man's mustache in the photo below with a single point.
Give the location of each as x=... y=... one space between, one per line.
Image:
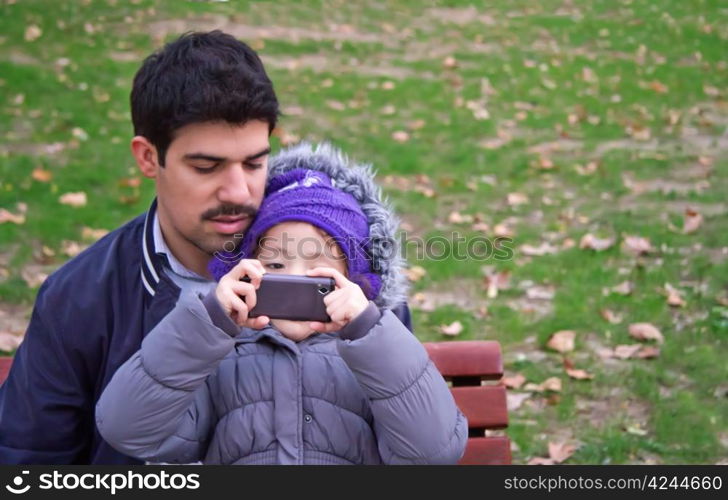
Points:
x=230 y=210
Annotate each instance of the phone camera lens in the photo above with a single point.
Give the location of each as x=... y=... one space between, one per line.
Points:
x=323 y=290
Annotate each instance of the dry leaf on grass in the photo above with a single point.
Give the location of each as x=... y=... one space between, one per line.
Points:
x=458 y=218
x=32 y=33
x=88 y=233
x=514 y=199
x=591 y=242
x=503 y=230
x=481 y=227
x=9 y=342
x=33 y=278
x=624 y=288
x=645 y=331
x=132 y=182
x=494 y=281
x=77 y=199
x=415 y=273
x=449 y=62
x=400 y=136
x=72 y=248
x=514 y=400
x=336 y=105
x=637 y=245
x=658 y=87
x=611 y=316
x=692 y=220
x=562 y=341
x=648 y=352
x=626 y=351
x=423 y=302
x=579 y=374
x=540 y=293
x=514 y=382
x=673 y=296
x=544 y=248
x=631 y=351
x=7 y=216
x=550 y=384
x=452 y=330
x=41 y=175
x=558 y=453
x=416 y=124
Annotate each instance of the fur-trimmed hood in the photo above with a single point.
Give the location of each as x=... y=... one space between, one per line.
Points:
x=357 y=180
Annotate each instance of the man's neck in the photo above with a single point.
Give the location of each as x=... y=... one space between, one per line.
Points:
x=187 y=254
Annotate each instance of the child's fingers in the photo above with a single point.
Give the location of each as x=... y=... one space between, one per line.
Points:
x=334 y=296
x=341 y=316
x=252 y=268
x=336 y=302
x=325 y=327
x=244 y=290
x=238 y=306
x=257 y=323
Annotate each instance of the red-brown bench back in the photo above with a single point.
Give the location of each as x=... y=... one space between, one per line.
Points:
x=467 y=364
x=5 y=363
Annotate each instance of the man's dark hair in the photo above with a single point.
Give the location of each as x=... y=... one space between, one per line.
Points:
x=200 y=77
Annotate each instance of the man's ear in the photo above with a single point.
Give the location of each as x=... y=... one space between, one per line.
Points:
x=145 y=155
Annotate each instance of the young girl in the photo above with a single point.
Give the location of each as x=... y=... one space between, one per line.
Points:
x=211 y=384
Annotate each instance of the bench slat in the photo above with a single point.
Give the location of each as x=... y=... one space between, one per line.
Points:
x=487 y=451
x=484 y=406
x=467 y=358
x=5 y=363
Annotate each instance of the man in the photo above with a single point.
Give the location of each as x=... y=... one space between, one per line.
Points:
x=203 y=109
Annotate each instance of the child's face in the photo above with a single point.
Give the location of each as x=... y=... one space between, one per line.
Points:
x=294 y=248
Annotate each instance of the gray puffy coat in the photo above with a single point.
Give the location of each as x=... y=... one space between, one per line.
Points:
x=199 y=389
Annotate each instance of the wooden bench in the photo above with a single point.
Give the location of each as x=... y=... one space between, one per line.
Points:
x=466 y=364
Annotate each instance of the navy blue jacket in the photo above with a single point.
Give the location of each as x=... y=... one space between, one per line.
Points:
x=89 y=317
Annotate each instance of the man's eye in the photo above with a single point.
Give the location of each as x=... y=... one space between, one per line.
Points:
x=254 y=166
x=205 y=170
x=274 y=265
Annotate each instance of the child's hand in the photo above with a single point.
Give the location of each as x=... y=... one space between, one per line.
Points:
x=342 y=305
x=230 y=290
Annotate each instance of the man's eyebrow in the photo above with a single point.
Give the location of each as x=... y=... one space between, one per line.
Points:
x=261 y=154
x=219 y=159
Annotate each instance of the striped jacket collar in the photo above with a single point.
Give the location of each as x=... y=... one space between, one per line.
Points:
x=152 y=267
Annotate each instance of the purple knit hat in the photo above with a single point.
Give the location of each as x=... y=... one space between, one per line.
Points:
x=309 y=196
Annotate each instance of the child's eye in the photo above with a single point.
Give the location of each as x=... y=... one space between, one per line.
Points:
x=274 y=265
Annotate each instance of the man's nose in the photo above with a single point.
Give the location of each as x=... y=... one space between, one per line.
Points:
x=234 y=186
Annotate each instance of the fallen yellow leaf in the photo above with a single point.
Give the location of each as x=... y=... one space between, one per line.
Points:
x=562 y=341
x=645 y=331
x=77 y=199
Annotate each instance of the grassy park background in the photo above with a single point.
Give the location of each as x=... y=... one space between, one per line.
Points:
x=592 y=133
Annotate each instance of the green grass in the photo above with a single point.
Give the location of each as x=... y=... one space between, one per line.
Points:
x=535 y=57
